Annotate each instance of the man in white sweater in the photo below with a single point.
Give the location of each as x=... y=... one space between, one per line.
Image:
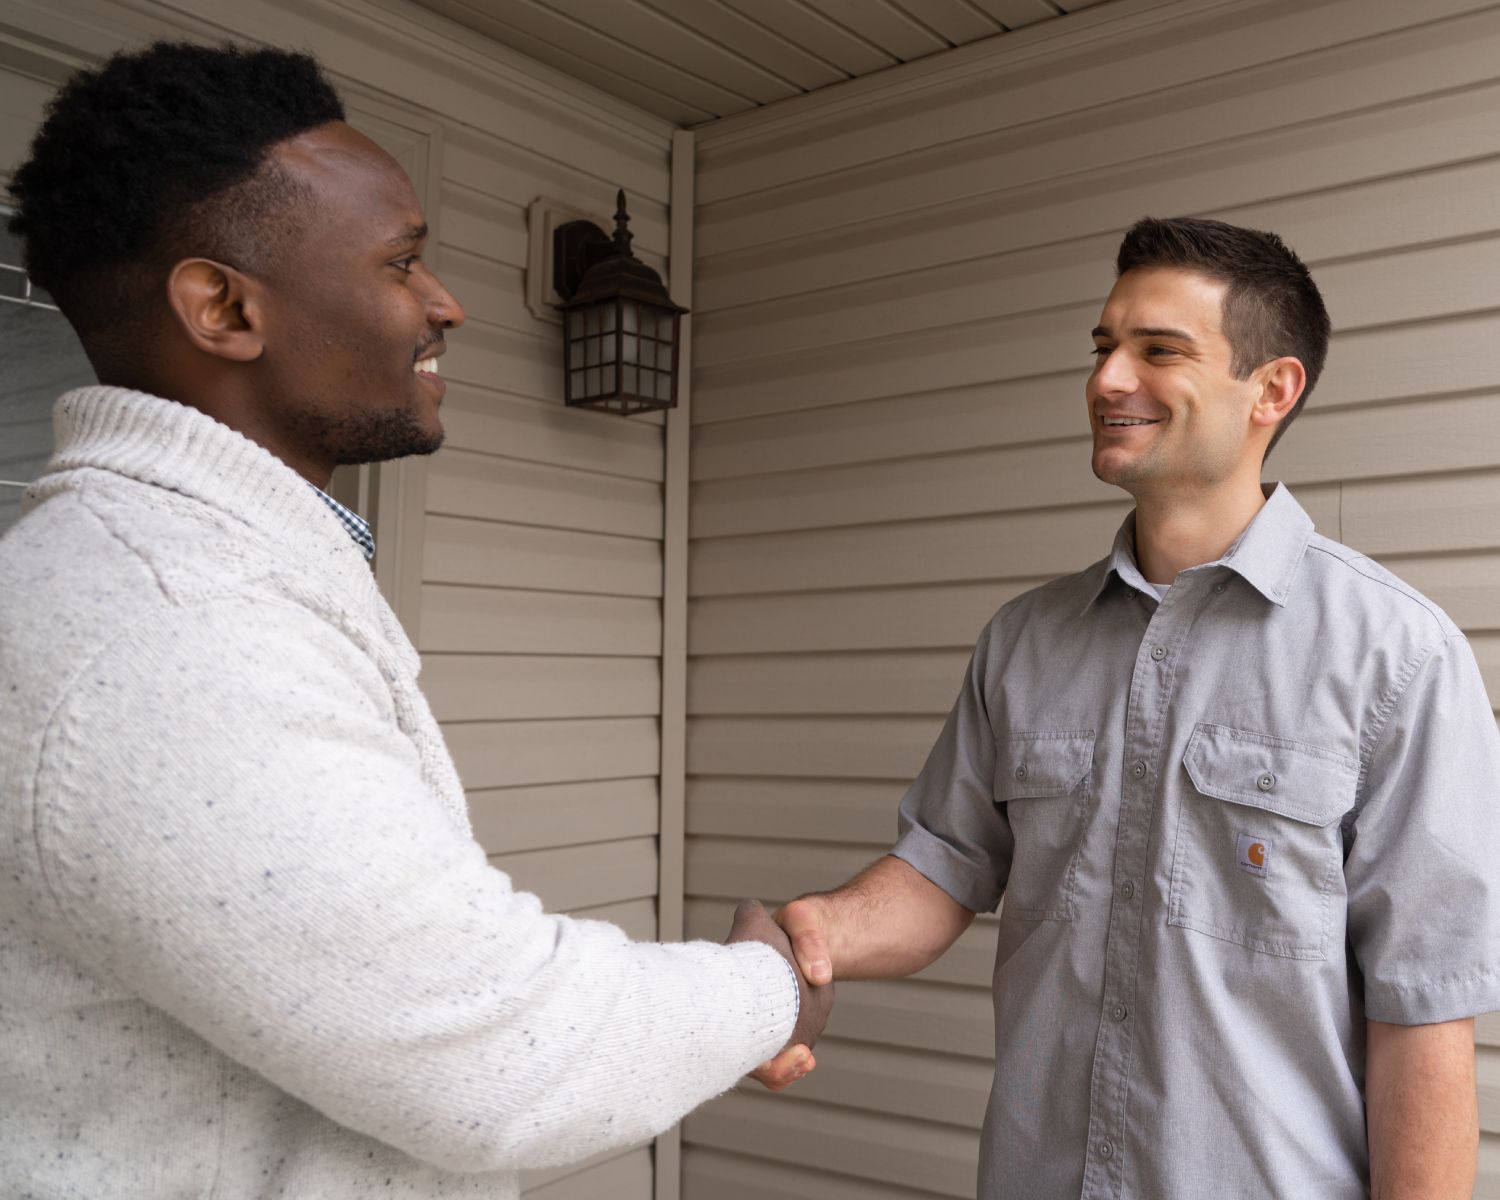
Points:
x=248 y=946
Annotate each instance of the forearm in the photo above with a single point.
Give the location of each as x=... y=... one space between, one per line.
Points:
x=888 y=921
x=1422 y=1111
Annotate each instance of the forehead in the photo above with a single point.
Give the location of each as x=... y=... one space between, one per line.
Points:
x=359 y=192
x=1165 y=298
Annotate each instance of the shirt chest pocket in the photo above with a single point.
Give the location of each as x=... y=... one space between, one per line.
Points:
x=1258 y=853
x=1042 y=784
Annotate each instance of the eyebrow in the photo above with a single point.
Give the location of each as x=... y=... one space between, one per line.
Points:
x=1146 y=331
x=412 y=233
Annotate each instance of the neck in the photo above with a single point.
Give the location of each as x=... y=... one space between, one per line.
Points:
x=1173 y=533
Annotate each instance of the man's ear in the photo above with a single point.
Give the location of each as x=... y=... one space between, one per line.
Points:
x=217 y=308
x=1281 y=383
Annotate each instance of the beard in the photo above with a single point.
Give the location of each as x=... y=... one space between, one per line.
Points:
x=359 y=437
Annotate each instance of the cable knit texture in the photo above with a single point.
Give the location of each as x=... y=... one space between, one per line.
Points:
x=248 y=946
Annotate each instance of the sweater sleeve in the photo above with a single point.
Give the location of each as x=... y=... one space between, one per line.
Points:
x=230 y=822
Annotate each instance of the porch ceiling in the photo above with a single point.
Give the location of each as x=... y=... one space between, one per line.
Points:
x=692 y=61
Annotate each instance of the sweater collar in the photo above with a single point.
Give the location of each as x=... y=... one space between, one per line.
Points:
x=172 y=446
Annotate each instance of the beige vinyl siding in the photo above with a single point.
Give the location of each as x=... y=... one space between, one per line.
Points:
x=895 y=281
x=530 y=574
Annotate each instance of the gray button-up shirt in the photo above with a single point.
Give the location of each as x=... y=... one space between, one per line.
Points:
x=1228 y=827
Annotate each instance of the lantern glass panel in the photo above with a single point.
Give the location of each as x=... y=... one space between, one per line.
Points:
x=663 y=385
x=630 y=348
x=632 y=379
x=607 y=317
x=629 y=316
x=575 y=355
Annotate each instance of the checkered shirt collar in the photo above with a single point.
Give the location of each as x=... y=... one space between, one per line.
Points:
x=355 y=525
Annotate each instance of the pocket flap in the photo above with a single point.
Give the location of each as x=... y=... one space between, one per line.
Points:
x=1043 y=764
x=1275 y=774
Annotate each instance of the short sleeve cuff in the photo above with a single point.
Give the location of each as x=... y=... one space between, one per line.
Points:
x=972 y=886
x=1451 y=998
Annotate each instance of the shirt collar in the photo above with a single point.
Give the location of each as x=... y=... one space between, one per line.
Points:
x=354 y=525
x=1266 y=555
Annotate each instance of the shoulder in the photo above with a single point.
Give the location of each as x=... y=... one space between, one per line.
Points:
x=1366 y=593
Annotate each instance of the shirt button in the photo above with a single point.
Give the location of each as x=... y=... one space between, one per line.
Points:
x=1119 y=1012
x=1127 y=889
x=1266 y=782
x=1139 y=770
x=1219 y=587
x=1106 y=1149
x=1022 y=772
x=1158 y=652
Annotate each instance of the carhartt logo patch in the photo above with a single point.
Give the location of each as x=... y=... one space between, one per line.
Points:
x=1254 y=852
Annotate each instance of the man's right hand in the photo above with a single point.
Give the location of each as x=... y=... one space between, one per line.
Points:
x=753 y=923
x=803 y=921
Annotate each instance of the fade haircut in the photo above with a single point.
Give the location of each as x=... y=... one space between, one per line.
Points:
x=155 y=156
x=1272 y=308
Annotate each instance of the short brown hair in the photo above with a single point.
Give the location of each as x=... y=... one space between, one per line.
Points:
x=1272 y=308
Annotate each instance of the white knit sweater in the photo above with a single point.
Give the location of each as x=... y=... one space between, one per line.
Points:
x=248 y=947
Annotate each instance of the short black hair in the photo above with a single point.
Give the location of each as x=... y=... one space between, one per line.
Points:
x=156 y=155
x=1272 y=307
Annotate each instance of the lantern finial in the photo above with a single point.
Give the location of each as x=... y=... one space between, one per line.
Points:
x=623 y=236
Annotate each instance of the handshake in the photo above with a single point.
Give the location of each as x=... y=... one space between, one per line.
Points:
x=796 y=933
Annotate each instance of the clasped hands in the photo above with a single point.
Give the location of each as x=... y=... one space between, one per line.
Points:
x=796 y=933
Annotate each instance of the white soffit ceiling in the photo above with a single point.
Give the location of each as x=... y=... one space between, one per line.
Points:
x=691 y=61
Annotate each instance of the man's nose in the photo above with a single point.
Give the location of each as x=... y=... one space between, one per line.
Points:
x=443 y=308
x=1115 y=375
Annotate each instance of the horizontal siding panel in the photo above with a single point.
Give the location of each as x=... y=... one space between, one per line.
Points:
x=493 y=554
x=1307 y=90
x=1226 y=73
x=1487 y=653
x=984 y=481
x=462 y=484
x=938 y=617
x=516 y=753
x=736 y=868
x=492 y=621
x=886 y=684
x=488 y=422
x=1436 y=281
x=1452 y=433
x=522 y=364
x=1465 y=586
x=896 y=1150
x=491 y=228
x=612 y=1177
x=1363 y=366
x=1487 y=1068
x=538 y=818
x=518 y=173
x=577 y=876
x=1405 y=516
x=847 y=748
x=949 y=550
x=636 y=917
x=709 y=1174
x=1339 y=221
x=491 y=292
x=820 y=810
x=487 y=687
x=970 y=962
x=897 y=1082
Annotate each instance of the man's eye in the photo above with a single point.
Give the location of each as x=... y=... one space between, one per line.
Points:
x=1161 y=351
x=407 y=263
x=1101 y=351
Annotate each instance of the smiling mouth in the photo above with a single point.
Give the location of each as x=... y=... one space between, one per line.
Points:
x=1125 y=422
x=426 y=366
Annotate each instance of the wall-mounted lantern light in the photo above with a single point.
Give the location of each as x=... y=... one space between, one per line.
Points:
x=620 y=328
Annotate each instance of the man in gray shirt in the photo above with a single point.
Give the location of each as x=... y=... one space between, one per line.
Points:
x=1237 y=785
